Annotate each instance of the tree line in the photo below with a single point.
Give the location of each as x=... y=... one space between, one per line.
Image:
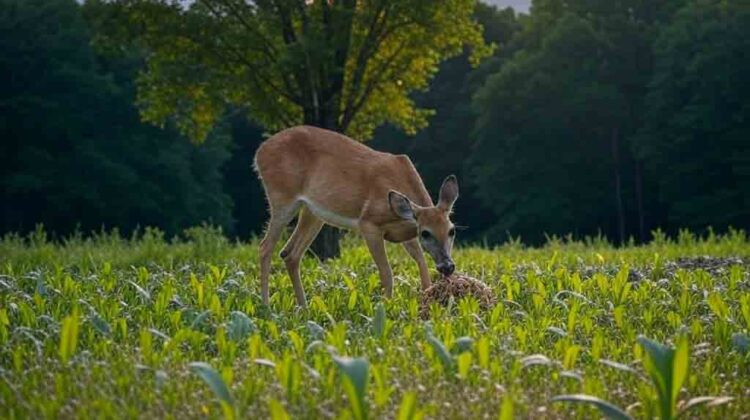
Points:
x=587 y=117
x=596 y=118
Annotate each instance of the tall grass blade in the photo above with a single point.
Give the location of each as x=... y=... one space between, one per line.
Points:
x=68 y=336
x=378 y=322
x=408 y=408
x=506 y=408
x=277 y=411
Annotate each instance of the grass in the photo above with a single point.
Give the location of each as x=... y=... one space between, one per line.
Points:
x=145 y=327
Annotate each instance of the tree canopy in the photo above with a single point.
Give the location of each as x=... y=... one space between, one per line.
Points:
x=346 y=65
x=564 y=128
x=74 y=155
x=697 y=115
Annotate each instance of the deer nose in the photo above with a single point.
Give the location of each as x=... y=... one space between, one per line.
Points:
x=447 y=268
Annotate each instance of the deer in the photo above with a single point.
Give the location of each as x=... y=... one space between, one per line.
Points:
x=324 y=177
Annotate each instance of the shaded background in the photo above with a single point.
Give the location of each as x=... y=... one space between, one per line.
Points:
x=590 y=119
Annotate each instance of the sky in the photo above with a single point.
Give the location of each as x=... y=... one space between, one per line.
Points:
x=519 y=5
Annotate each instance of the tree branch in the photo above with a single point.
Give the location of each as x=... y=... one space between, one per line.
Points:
x=269 y=48
x=257 y=71
x=376 y=40
x=373 y=83
x=365 y=53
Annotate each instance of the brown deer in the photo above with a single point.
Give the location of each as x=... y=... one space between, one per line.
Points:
x=326 y=177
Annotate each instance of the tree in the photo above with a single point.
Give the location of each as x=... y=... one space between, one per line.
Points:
x=537 y=155
x=553 y=148
x=74 y=154
x=694 y=139
x=344 y=65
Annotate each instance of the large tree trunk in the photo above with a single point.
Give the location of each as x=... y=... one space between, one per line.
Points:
x=326 y=245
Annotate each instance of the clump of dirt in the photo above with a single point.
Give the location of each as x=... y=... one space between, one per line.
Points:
x=456 y=286
x=712 y=265
x=715 y=266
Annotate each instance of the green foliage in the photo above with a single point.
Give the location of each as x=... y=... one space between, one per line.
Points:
x=69 y=336
x=379 y=321
x=668 y=368
x=355 y=372
x=506 y=408
x=624 y=97
x=217 y=385
x=342 y=65
x=566 y=328
x=408 y=409
x=698 y=97
x=569 y=92
x=73 y=153
x=240 y=326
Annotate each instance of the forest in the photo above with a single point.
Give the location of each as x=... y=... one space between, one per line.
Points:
x=581 y=118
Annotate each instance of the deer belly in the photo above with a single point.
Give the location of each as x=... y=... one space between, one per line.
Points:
x=330 y=217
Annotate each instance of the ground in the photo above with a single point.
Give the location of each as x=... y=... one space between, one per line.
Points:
x=112 y=327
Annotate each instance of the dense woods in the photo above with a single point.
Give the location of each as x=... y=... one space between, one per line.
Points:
x=590 y=117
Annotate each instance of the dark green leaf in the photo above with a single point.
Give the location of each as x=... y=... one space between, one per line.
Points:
x=378 y=322
x=213 y=380
x=240 y=326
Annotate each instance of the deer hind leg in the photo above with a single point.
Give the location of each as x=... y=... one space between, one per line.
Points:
x=281 y=214
x=308 y=227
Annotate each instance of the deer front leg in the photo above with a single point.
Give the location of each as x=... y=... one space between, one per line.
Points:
x=415 y=251
x=376 y=245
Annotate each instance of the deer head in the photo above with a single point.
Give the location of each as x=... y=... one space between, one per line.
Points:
x=435 y=230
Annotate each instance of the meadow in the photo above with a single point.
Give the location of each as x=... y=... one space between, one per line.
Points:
x=146 y=327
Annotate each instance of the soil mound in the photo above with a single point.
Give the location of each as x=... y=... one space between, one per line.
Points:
x=456 y=286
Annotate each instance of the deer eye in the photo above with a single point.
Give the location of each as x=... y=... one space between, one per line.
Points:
x=452 y=232
x=425 y=234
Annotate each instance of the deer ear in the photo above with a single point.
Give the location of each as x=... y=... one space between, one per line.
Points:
x=448 y=193
x=401 y=205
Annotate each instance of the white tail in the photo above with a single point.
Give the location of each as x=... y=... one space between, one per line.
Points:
x=325 y=177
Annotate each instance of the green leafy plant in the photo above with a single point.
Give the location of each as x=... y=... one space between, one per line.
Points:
x=217 y=385
x=408 y=409
x=558 y=332
x=668 y=368
x=69 y=336
x=355 y=372
x=379 y=321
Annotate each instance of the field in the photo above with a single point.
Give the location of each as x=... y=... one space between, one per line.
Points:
x=146 y=327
